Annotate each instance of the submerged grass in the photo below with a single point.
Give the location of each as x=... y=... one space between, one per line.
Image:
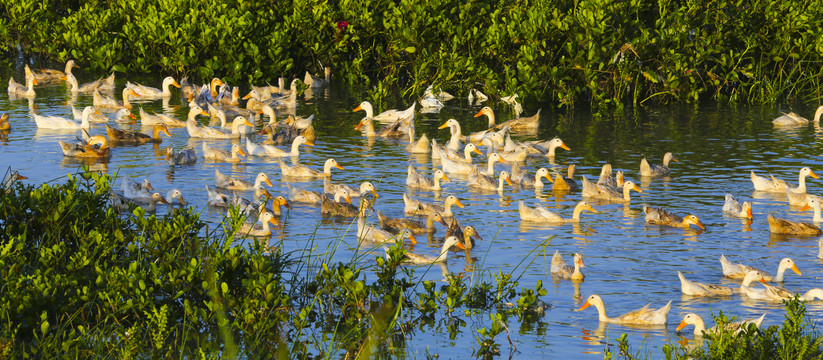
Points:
x=85 y=281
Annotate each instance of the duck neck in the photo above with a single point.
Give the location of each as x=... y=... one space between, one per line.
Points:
x=84 y=119
x=467 y=155
x=781 y=270
x=552 y=148
x=490 y=115
x=295 y=148
x=166 y=89
x=126 y=102
x=577 y=274
x=699 y=326
x=601 y=312
x=444 y=253
x=437 y=183
x=817 y=115
x=73 y=82
x=801 y=184
x=576 y=218
x=500 y=183
x=490 y=169
x=626 y=193
x=817 y=217
x=448 y=211
x=30 y=85
x=538 y=182
x=193 y=115
x=156 y=132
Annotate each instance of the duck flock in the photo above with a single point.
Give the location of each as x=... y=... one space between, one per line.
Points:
x=217 y=112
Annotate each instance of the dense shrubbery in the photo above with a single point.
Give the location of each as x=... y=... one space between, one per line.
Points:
x=603 y=51
x=81 y=280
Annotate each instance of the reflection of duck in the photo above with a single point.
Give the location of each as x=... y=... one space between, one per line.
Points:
x=642 y=316
x=5 y=125
x=661 y=216
x=653 y=170
x=739 y=271
x=789 y=227
x=700 y=326
x=561 y=269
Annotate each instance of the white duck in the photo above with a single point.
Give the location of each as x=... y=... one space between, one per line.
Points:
x=442 y=257
x=56 y=122
x=700 y=326
x=417 y=180
x=734 y=208
x=642 y=316
x=220 y=155
x=415 y=207
x=272 y=151
x=485 y=182
x=571 y=272
x=386 y=116
x=739 y=271
x=230 y=183
x=652 y=170
x=260 y=228
x=541 y=214
x=148 y=92
x=302 y=171
x=197 y=131
x=693 y=288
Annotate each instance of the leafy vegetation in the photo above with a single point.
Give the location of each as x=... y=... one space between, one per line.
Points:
x=83 y=281
x=603 y=52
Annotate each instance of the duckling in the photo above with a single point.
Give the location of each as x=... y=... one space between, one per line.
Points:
x=564 y=271
x=652 y=170
x=133 y=137
x=661 y=216
x=220 y=155
x=183 y=157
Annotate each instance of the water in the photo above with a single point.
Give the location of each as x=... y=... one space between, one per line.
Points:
x=627 y=262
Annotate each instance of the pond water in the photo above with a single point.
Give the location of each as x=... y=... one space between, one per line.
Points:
x=627 y=262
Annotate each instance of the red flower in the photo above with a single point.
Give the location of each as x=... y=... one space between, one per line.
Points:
x=342 y=25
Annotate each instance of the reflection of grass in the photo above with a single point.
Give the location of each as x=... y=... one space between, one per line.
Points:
x=83 y=280
x=796 y=338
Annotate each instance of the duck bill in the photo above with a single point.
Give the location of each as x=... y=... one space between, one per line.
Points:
x=64 y=77
x=175 y=84
x=458 y=203
x=248 y=96
x=564 y=146
x=308 y=143
x=805 y=207
x=285 y=204
x=97 y=112
x=348 y=199
x=180 y=199
x=241 y=152
x=477 y=151
x=162 y=200
x=681 y=326
x=445 y=125
x=796 y=270
x=268 y=182
x=635 y=188
x=204 y=113
x=580 y=263
x=762 y=279
x=374 y=192
x=508 y=181
x=479 y=113
x=412 y=239
x=21 y=177
x=749 y=213
x=166 y=131
x=590 y=208
x=549 y=177
x=460 y=245
x=248 y=123
x=812 y=174
x=585 y=305
x=358 y=126
x=700 y=225
x=446 y=178
x=339 y=167
x=358 y=108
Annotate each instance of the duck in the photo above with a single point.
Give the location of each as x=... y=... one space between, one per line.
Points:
x=5 y=125
x=104 y=84
x=150 y=93
x=419 y=146
x=459 y=167
x=220 y=155
x=564 y=271
x=197 y=131
x=768 y=292
x=17 y=89
x=302 y=171
x=469 y=233
x=530 y=123
x=271 y=151
x=46 y=75
x=106 y=102
x=417 y=180
x=230 y=183
x=562 y=183
x=304 y=196
x=474 y=138
x=216 y=198
x=183 y=157
x=277 y=203
x=606 y=178
x=415 y=207
x=136 y=189
x=601 y=192
x=119 y=115
x=789 y=227
x=134 y=137
x=149 y=204
x=365 y=188
x=814 y=205
x=398 y=128
x=791 y=119
x=642 y=316
x=396 y=225
x=773 y=184
x=700 y=326
x=386 y=116
x=542 y=214
x=797 y=195
x=739 y=271
x=734 y=208
x=96 y=147
x=338 y=207
x=468 y=150
x=524 y=179
x=315 y=82
x=413 y=258
x=549 y=147
x=222 y=113
x=150 y=120
x=9 y=181
x=693 y=288
x=652 y=170
x=57 y=122
x=258 y=229
x=175 y=195
x=374 y=234
x=485 y=182
x=661 y=216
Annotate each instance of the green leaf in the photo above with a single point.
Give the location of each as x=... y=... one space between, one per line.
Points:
x=410 y=49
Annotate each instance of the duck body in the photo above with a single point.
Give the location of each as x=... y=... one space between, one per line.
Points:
x=56 y=122
x=689 y=287
x=135 y=137
x=230 y=183
x=417 y=180
x=652 y=170
x=149 y=93
x=739 y=271
x=565 y=271
x=442 y=257
x=700 y=326
x=663 y=217
x=733 y=207
x=396 y=225
x=386 y=116
x=47 y=75
x=541 y=214
x=302 y=171
x=770 y=184
x=789 y=227
x=602 y=192
x=106 y=102
x=271 y=151
x=186 y=156
x=220 y=155
x=644 y=316
x=416 y=207
x=96 y=147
